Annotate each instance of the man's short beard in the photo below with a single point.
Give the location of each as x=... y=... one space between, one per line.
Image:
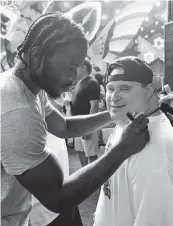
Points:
x=44 y=85
x=52 y=95
x=44 y=81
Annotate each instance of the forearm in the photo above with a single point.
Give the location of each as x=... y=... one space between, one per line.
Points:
x=85 y=181
x=83 y=125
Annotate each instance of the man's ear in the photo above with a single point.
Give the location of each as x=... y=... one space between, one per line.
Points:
x=150 y=90
x=36 y=56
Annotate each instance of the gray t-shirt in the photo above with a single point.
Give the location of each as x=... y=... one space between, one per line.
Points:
x=23 y=144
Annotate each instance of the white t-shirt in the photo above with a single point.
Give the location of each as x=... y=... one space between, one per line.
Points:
x=140 y=193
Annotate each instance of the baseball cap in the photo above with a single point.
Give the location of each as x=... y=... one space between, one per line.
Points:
x=135 y=70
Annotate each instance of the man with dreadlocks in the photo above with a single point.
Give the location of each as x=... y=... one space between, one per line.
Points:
x=49 y=56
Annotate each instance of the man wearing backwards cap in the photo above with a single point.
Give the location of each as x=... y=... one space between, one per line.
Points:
x=140 y=193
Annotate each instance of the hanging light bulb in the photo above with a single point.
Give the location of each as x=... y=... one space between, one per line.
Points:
x=117 y=11
x=158 y=3
x=66 y=4
x=104 y=17
x=149 y=57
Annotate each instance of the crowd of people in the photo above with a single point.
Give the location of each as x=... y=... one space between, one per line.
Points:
x=136 y=171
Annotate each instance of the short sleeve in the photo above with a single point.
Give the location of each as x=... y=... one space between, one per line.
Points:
x=23 y=140
x=93 y=90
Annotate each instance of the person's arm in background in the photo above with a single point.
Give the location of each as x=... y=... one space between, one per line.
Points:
x=94 y=106
x=166 y=98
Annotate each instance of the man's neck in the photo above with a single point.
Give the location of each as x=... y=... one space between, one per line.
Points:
x=152 y=106
x=24 y=75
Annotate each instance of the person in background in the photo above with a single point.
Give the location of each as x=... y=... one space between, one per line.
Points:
x=140 y=192
x=85 y=101
x=102 y=104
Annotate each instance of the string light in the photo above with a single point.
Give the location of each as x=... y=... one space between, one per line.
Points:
x=149 y=57
x=104 y=17
x=66 y=4
x=159 y=43
x=156 y=23
x=152 y=31
x=136 y=41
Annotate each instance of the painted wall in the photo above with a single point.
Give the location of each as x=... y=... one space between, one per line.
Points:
x=114 y=28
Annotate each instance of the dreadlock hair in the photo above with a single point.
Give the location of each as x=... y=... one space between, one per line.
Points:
x=51 y=31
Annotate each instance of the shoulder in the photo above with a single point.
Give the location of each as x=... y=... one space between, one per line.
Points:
x=23 y=126
x=92 y=83
x=15 y=94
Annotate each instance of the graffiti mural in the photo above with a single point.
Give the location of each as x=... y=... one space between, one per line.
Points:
x=16 y=18
x=114 y=28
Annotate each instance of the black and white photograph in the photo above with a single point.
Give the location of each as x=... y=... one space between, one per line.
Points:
x=86 y=103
